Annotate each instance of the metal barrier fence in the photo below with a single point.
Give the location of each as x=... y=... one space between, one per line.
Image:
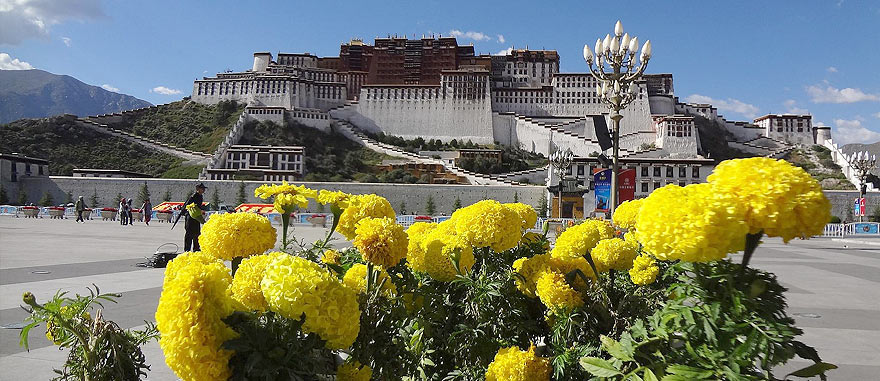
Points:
x=853 y=228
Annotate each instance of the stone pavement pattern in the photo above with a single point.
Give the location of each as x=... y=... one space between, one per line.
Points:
x=834 y=288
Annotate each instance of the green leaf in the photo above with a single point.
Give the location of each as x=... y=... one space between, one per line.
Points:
x=648 y=375
x=689 y=372
x=675 y=377
x=813 y=370
x=614 y=348
x=599 y=367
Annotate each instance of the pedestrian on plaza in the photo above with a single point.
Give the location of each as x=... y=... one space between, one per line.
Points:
x=193 y=226
x=148 y=211
x=128 y=209
x=80 y=207
x=122 y=214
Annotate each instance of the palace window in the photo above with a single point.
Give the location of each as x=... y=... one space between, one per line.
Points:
x=656 y=171
x=645 y=172
x=696 y=172
x=682 y=172
x=645 y=187
x=669 y=172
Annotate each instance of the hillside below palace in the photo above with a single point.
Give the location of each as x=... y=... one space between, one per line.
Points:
x=435 y=88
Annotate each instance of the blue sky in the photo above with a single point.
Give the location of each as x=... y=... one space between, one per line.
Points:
x=746 y=57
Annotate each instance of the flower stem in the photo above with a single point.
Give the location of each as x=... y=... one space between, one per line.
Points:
x=752 y=242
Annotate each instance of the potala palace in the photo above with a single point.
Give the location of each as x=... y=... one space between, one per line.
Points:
x=436 y=89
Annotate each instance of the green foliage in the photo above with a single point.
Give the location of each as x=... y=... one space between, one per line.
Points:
x=515 y=196
x=4 y=198
x=215 y=199
x=818 y=163
x=69 y=198
x=68 y=146
x=834 y=220
x=401 y=209
x=185 y=124
x=456 y=205
x=167 y=195
x=98 y=349
x=183 y=172
x=47 y=199
x=94 y=200
x=542 y=207
x=723 y=321
x=22 y=197
x=143 y=194
x=115 y=202
x=429 y=206
x=241 y=197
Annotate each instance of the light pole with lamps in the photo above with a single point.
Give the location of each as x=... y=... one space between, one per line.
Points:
x=616 y=74
x=561 y=161
x=863 y=163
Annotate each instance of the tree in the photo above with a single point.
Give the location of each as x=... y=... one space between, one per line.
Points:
x=425 y=178
x=144 y=193
x=22 y=197
x=69 y=198
x=542 y=207
x=242 y=196
x=94 y=200
x=167 y=196
x=118 y=198
x=457 y=204
x=4 y=198
x=47 y=199
x=215 y=199
x=402 y=208
x=515 y=196
x=429 y=206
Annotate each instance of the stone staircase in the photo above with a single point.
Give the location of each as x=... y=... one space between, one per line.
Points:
x=191 y=156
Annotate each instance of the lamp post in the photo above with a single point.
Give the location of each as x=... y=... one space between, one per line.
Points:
x=561 y=161
x=863 y=163
x=616 y=74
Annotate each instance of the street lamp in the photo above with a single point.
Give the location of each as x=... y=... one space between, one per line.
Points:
x=863 y=163
x=561 y=161
x=616 y=74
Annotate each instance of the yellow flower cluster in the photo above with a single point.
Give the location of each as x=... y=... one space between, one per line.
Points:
x=531 y=269
x=339 y=198
x=330 y=257
x=54 y=332
x=361 y=207
x=614 y=254
x=703 y=226
x=644 y=270
x=356 y=279
x=439 y=253
x=230 y=235
x=627 y=214
x=513 y=364
x=488 y=223
x=287 y=196
x=779 y=198
x=527 y=215
x=295 y=286
x=415 y=254
x=246 y=283
x=381 y=241
x=353 y=371
x=194 y=300
x=555 y=293
x=577 y=240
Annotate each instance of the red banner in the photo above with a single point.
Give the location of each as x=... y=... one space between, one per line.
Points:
x=626 y=190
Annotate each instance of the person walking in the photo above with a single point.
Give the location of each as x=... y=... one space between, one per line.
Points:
x=128 y=209
x=193 y=227
x=122 y=215
x=79 y=207
x=147 y=208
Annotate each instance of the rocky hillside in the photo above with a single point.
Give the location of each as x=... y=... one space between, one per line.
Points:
x=816 y=160
x=38 y=94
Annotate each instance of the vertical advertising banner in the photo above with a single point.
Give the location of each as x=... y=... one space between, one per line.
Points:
x=626 y=191
x=862 y=207
x=602 y=188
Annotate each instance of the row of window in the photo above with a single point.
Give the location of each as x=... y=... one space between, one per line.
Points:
x=678 y=130
x=644 y=171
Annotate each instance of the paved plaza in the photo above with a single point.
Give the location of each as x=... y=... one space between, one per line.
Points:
x=834 y=288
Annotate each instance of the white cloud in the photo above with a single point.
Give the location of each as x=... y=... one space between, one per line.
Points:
x=471 y=35
x=109 y=88
x=9 y=63
x=829 y=94
x=504 y=52
x=792 y=108
x=24 y=19
x=729 y=105
x=877 y=115
x=831 y=69
x=66 y=41
x=164 y=90
x=852 y=131
x=501 y=38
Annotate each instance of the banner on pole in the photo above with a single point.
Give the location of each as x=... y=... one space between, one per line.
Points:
x=859 y=207
x=626 y=190
x=602 y=189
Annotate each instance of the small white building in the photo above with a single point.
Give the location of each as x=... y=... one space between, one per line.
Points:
x=15 y=167
x=266 y=163
x=788 y=128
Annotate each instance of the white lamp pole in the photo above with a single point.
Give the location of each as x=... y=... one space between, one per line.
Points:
x=616 y=74
x=863 y=163
x=561 y=161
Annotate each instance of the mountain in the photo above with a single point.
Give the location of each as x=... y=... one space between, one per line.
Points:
x=38 y=94
x=873 y=149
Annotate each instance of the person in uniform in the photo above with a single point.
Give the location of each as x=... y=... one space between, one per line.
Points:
x=193 y=227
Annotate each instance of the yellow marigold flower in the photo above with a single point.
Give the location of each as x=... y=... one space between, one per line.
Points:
x=439 y=253
x=415 y=254
x=353 y=371
x=488 y=223
x=191 y=307
x=246 y=282
x=295 y=286
x=781 y=199
x=614 y=254
x=185 y=259
x=361 y=207
x=627 y=213
x=577 y=240
x=527 y=215
x=644 y=270
x=513 y=364
x=339 y=198
x=532 y=237
x=555 y=293
x=381 y=241
x=287 y=196
x=356 y=279
x=330 y=257
x=566 y=265
x=532 y=268
x=54 y=332
x=230 y=235
x=693 y=223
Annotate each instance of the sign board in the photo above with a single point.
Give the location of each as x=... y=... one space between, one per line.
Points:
x=626 y=189
x=866 y=228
